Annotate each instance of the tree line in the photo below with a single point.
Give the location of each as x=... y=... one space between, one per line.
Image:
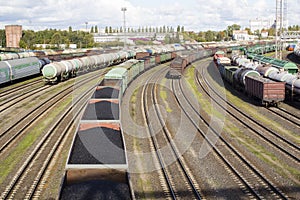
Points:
x=161 y=29
x=54 y=37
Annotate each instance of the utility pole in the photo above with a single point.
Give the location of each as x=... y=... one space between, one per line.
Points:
x=124 y=9
x=86 y=23
x=281 y=25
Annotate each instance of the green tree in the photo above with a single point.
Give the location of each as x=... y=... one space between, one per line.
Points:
x=96 y=29
x=70 y=29
x=178 y=29
x=29 y=39
x=22 y=44
x=110 y=29
x=209 y=36
x=167 y=39
x=56 y=39
x=177 y=37
x=2 y=38
x=219 y=36
x=106 y=29
x=67 y=42
x=272 y=32
x=232 y=28
x=249 y=31
x=92 y=29
x=182 y=29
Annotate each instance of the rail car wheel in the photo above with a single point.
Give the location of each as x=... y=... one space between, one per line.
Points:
x=266 y=104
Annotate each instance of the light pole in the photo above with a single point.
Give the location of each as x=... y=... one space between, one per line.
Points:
x=124 y=9
x=86 y=23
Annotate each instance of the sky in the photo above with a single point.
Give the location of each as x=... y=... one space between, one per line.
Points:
x=194 y=15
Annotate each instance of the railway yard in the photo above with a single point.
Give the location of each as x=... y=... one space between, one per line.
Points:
x=130 y=128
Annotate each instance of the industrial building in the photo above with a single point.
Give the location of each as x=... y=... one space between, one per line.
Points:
x=13 y=35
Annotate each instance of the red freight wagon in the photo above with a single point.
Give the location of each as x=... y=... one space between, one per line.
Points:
x=266 y=90
x=142 y=55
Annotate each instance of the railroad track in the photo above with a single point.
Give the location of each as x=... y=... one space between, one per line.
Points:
x=250 y=179
x=279 y=142
x=17 y=129
x=178 y=181
x=286 y=115
x=26 y=181
x=16 y=89
x=18 y=98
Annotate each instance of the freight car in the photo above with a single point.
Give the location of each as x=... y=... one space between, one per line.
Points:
x=297 y=51
x=239 y=77
x=267 y=91
x=97 y=160
x=236 y=75
x=227 y=72
x=59 y=71
x=16 y=55
x=218 y=54
x=11 y=70
x=105 y=159
x=261 y=49
x=248 y=80
x=181 y=61
x=280 y=64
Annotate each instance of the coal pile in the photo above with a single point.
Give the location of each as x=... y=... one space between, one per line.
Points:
x=96 y=190
x=103 y=110
x=106 y=93
x=98 y=146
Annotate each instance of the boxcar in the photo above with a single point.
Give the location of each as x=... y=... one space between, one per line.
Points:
x=116 y=76
x=266 y=90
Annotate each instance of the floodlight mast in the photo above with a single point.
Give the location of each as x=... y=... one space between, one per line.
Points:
x=124 y=9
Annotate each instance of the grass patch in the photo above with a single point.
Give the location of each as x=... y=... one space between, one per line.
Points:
x=205 y=103
x=255 y=114
x=164 y=95
x=9 y=163
x=13 y=85
x=251 y=145
x=261 y=152
x=132 y=101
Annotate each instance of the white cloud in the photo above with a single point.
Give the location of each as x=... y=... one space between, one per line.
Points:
x=192 y=14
